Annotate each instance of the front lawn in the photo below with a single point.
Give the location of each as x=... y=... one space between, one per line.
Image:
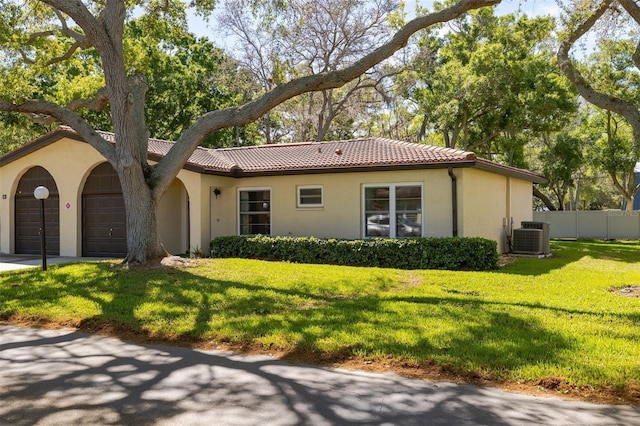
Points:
x=536 y=321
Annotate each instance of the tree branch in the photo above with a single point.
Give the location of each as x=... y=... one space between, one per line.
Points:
x=547 y=202
x=229 y=117
x=95 y=33
x=66 y=56
x=38 y=109
x=80 y=40
x=599 y=99
x=98 y=103
x=634 y=10
x=78 y=37
x=39 y=34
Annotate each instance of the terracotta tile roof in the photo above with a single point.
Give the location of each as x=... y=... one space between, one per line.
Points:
x=355 y=153
x=201 y=157
x=315 y=157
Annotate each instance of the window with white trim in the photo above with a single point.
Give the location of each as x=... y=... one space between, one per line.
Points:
x=393 y=210
x=255 y=211
x=310 y=196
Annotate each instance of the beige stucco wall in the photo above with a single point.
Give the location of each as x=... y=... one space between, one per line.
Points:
x=341 y=214
x=173 y=219
x=521 y=201
x=488 y=202
x=70 y=162
x=192 y=217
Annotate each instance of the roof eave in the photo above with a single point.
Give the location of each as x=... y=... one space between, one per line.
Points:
x=239 y=173
x=510 y=171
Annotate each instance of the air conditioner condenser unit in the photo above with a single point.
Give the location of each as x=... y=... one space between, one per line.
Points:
x=528 y=241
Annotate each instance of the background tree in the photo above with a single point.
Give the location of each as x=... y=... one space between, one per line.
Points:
x=609 y=80
x=37 y=35
x=492 y=84
x=579 y=162
x=16 y=130
x=615 y=152
x=562 y=160
x=308 y=37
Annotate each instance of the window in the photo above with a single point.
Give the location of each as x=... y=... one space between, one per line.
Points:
x=255 y=212
x=310 y=196
x=393 y=211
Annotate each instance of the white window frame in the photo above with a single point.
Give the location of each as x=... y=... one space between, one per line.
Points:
x=392 y=207
x=299 y=189
x=239 y=212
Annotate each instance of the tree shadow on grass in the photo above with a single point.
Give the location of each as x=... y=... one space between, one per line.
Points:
x=479 y=338
x=565 y=252
x=178 y=305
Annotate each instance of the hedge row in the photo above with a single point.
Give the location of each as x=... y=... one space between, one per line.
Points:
x=477 y=254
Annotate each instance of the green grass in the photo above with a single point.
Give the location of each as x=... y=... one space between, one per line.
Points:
x=532 y=319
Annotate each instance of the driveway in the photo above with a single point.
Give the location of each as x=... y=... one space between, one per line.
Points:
x=10 y=262
x=53 y=377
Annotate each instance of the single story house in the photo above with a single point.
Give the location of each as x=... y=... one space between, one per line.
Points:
x=361 y=188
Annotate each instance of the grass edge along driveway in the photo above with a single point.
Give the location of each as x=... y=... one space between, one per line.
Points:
x=554 y=323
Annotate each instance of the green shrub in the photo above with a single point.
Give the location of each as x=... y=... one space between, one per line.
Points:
x=477 y=254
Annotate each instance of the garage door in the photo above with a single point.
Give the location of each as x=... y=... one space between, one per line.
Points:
x=28 y=211
x=104 y=232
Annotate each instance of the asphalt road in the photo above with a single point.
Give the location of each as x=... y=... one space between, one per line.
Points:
x=58 y=377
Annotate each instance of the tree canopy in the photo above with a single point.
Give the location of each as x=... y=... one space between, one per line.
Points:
x=310 y=37
x=609 y=80
x=490 y=83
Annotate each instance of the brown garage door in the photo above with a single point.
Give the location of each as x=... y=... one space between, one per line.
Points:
x=28 y=211
x=104 y=232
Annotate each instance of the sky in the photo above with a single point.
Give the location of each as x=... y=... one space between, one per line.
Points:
x=529 y=7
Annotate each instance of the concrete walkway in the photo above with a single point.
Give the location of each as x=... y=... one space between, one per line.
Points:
x=11 y=262
x=54 y=377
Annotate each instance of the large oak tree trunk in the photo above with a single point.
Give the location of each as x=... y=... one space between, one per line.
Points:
x=140 y=195
x=143 y=239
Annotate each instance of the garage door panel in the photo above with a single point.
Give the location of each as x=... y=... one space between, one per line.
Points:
x=103 y=215
x=104 y=231
x=28 y=210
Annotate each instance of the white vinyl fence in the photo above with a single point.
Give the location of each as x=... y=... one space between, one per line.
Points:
x=607 y=224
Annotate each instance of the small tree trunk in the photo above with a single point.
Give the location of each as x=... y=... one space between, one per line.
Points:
x=576 y=200
x=629 y=203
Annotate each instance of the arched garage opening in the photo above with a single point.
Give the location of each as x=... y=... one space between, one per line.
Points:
x=173 y=219
x=104 y=228
x=28 y=211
